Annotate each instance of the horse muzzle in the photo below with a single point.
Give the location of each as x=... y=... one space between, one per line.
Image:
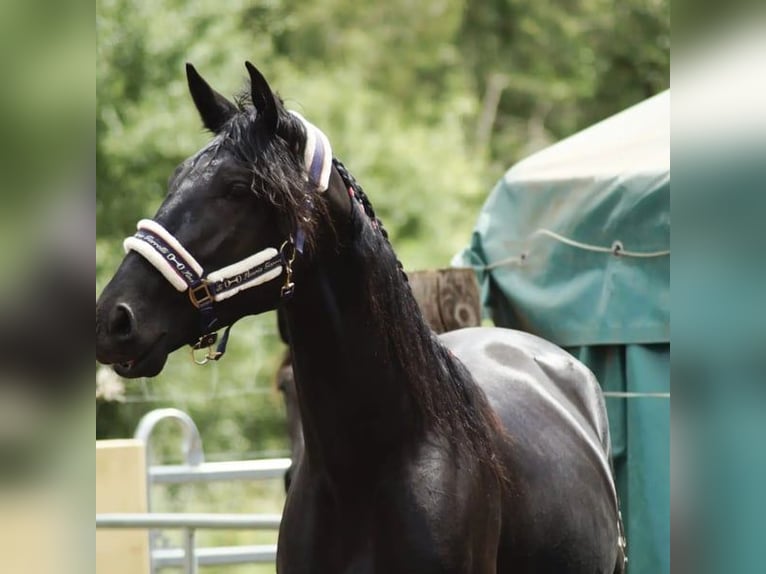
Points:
x=119 y=344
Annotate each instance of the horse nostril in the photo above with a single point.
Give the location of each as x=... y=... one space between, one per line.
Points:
x=121 y=321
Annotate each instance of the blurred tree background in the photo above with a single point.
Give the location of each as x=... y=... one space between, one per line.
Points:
x=427 y=103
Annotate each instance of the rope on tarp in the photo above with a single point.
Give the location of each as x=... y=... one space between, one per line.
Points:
x=501 y=263
x=616 y=249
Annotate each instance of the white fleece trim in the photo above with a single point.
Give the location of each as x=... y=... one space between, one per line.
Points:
x=272 y=274
x=314 y=137
x=156 y=228
x=242 y=265
x=156 y=259
x=324 y=178
x=311 y=143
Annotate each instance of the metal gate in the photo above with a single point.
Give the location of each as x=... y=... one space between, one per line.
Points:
x=195 y=469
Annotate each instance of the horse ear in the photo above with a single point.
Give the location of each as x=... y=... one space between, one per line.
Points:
x=214 y=109
x=263 y=99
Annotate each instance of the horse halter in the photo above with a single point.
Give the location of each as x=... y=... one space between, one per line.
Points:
x=179 y=267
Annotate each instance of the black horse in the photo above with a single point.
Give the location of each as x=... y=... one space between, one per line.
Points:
x=480 y=451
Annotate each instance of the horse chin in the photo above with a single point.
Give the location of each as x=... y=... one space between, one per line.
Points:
x=148 y=365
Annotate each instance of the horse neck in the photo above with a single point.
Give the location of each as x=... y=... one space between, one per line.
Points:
x=361 y=352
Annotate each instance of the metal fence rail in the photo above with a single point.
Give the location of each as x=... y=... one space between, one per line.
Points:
x=211 y=471
x=218 y=556
x=199 y=521
x=189 y=557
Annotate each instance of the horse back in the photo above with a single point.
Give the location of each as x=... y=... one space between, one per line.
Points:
x=560 y=512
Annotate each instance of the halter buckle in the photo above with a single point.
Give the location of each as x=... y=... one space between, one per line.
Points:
x=288 y=289
x=206 y=297
x=205 y=341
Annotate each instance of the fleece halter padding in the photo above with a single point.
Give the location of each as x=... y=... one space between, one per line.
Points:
x=158 y=246
x=317 y=155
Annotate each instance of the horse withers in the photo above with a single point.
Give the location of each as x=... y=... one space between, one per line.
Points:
x=479 y=451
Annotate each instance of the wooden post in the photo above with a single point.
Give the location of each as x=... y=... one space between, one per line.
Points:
x=121 y=487
x=448 y=298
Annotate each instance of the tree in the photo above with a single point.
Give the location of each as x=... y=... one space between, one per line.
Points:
x=548 y=69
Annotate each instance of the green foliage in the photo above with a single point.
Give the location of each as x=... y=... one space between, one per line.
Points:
x=405 y=93
x=560 y=66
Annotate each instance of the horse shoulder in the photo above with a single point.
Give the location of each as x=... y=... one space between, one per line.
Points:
x=441 y=509
x=430 y=512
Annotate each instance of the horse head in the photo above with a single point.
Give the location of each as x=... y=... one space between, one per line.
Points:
x=235 y=215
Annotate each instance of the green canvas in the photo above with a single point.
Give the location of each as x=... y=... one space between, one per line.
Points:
x=573 y=244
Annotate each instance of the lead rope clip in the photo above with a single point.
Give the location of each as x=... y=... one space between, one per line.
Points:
x=204 y=343
x=210 y=353
x=287 y=260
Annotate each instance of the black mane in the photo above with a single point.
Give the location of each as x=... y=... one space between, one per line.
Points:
x=447 y=398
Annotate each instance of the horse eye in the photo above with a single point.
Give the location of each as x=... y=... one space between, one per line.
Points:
x=238 y=191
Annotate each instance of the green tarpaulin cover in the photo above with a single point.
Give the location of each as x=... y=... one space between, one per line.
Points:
x=573 y=244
